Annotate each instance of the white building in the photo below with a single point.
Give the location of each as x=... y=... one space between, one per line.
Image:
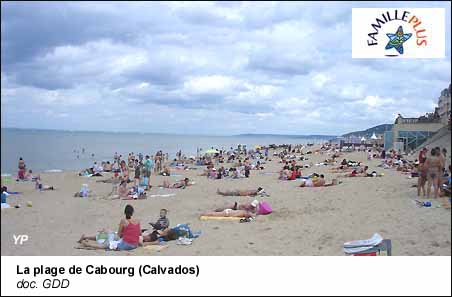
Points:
x=444 y=105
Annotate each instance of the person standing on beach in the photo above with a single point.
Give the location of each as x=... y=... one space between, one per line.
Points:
x=148 y=165
x=140 y=157
x=442 y=158
x=124 y=171
x=422 y=155
x=422 y=179
x=137 y=172
x=158 y=163
x=22 y=167
x=433 y=166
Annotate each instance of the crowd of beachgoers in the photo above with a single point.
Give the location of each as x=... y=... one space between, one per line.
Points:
x=132 y=177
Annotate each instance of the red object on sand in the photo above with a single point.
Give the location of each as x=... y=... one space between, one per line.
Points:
x=368 y=254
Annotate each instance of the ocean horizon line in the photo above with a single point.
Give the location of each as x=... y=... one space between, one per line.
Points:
x=176 y=134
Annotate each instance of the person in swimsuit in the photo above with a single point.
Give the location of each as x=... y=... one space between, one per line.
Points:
x=124 y=171
x=422 y=179
x=42 y=187
x=137 y=173
x=250 y=207
x=22 y=167
x=230 y=213
x=181 y=184
x=129 y=232
x=319 y=182
x=241 y=192
x=433 y=166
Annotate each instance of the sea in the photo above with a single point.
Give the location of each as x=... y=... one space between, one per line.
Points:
x=53 y=150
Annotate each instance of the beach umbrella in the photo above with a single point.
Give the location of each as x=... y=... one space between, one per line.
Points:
x=211 y=151
x=363 y=138
x=373 y=136
x=258 y=147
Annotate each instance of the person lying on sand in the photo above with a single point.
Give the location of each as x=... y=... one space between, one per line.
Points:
x=42 y=187
x=230 y=213
x=357 y=172
x=129 y=232
x=250 y=207
x=241 y=192
x=318 y=182
x=111 y=180
x=181 y=184
x=168 y=234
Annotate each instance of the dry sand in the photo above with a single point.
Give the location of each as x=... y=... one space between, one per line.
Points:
x=305 y=221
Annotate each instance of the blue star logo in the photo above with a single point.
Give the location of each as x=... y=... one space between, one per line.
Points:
x=396 y=40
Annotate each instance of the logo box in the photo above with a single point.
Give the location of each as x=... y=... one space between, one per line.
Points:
x=398 y=33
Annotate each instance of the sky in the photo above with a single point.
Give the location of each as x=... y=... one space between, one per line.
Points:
x=211 y=68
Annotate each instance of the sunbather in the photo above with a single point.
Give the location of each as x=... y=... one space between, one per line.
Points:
x=42 y=187
x=241 y=192
x=230 y=213
x=181 y=184
x=318 y=182
x=250 y=207
x=180 y=230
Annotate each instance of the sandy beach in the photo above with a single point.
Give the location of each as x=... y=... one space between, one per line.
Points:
x=305 y=221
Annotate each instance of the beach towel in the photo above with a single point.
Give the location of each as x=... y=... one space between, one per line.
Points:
x=208 y=218
x=162 y=195
x=183 y=230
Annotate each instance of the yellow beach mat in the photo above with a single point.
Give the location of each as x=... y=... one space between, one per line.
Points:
x=207 y=218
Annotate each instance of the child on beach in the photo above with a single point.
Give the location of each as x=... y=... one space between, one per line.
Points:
x=163 y=222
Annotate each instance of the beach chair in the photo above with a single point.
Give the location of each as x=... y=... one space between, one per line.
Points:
x=368 y=247
x=385 y=245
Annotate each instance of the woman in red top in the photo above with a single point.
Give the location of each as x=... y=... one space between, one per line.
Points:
x=129 y=231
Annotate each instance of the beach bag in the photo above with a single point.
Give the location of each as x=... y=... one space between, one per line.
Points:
x=264 y=208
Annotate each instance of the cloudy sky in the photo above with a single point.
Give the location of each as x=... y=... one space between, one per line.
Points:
x=204 y=68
